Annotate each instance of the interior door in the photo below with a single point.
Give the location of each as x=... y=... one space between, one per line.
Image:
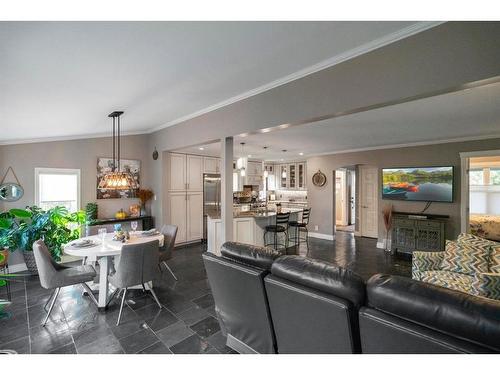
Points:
x=369 y=201
x=194 y=173
x=194 y=216
x=177 y=172
x=177 y=204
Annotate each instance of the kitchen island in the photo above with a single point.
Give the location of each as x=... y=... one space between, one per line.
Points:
x=248 y=227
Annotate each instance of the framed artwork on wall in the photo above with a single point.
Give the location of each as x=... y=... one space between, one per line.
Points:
x=105 y=165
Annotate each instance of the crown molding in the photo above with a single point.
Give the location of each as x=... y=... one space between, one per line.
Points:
x=337 y=59
x=69 y=138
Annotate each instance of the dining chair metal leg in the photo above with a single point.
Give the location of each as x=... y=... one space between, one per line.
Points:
x=51 y=307
x=121 y=306
x=170 y=270
x=50 y=299
x=154 y=296
x=116 y=293
x=90 y=293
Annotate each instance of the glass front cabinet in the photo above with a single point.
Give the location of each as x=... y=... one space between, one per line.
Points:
x=292 y=176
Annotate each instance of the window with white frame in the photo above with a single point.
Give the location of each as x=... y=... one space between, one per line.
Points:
x=57 y=187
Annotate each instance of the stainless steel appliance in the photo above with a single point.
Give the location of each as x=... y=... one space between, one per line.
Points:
x=211 y=198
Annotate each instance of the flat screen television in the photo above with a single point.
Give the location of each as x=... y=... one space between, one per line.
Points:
x=428 y=184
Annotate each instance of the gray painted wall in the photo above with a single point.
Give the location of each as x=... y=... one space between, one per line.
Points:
x=444 y=57
x=82 y=154
x=321 y=199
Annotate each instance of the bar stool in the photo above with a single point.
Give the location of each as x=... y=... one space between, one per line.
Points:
x=280 y=226
x=301 y=226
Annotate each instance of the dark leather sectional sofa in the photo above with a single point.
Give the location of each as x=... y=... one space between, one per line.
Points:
x=268 y=303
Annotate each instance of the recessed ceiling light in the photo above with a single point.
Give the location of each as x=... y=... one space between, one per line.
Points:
x=249 y=156
x=301 y=153
x=201 y=148
x=282 y=159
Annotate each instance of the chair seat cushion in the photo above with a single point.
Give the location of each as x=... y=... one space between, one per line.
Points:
x=297 y=224
x=275 y=228
x=466 y=258
x=450 y=280
x=74 y=275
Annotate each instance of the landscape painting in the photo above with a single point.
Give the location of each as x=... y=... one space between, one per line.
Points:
x=105 y=165
x=428 y=184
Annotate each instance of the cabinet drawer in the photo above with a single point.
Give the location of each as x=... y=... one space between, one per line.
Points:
x=404 y=223
x=429 y=224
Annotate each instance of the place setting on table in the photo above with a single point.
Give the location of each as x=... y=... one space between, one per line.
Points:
x=103 y=246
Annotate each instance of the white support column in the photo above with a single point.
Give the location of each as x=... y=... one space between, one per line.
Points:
x=227 y=188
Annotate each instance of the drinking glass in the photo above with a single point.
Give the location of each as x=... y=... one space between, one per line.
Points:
x=102 y=234
x=133 y=224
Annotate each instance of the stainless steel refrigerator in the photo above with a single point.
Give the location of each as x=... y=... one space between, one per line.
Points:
x=211 y=198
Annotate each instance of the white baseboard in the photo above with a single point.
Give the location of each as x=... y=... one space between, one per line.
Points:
x=322 y=236
x=357 y=233
x=17 y=267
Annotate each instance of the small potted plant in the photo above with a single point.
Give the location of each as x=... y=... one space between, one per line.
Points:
x=144 y=195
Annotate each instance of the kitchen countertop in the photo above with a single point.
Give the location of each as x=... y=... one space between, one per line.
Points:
x=256 y=214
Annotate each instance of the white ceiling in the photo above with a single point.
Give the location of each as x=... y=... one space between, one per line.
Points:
x=61 y=79
x=467 y=114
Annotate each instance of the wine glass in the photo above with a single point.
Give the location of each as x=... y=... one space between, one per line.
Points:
x=102 y=234
x=133 y=224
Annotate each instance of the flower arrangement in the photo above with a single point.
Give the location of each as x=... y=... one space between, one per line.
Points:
x=144 y=195
x=387 y=213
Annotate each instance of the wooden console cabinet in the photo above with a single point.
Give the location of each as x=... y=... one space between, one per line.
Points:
x=420 y=232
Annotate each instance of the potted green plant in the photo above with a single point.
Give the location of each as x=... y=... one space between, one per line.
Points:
x=55 y=227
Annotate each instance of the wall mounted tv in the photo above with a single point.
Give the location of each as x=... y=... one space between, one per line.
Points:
x=428 y=184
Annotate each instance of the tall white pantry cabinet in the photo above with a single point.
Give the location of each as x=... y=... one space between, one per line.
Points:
x=185 y=196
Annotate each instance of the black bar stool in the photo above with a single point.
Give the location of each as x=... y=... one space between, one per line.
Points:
x=301 y=226
x=280 y=226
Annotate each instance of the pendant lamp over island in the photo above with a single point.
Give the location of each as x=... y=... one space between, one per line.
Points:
x=116 y=179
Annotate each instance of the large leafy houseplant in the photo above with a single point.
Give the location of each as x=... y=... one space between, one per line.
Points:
x=19 y=228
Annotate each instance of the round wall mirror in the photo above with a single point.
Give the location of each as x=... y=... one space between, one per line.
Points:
x=11 y=192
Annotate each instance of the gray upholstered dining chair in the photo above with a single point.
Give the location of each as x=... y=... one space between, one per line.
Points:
x=169 y=233
x=138 y=265
x=56 y=276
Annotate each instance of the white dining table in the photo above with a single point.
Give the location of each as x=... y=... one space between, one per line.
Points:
x=102 y=252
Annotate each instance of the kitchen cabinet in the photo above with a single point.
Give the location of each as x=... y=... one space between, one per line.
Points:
x=211 y=165
x=178 y=214
x=194 y=217
x=177 y=172
x=185 y=195
x=291 y=176
x=186 y=212
x=194 y=172
x=283 y=176
x=186 y=172
x=301 y=175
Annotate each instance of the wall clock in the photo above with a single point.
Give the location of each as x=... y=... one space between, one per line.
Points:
x=319 y=179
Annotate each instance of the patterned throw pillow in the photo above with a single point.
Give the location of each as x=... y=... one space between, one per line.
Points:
x=493 y=248
x=464 y=258
x=487 y=285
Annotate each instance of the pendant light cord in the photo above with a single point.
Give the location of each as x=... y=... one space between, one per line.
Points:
x=118 y=139
x=114 y=155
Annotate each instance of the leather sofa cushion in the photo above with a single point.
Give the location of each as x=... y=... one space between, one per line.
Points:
x=256 y=256
x=451 y=280
x=458 y=314
x=322 y=276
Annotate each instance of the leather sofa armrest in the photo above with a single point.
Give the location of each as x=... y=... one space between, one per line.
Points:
x=425 y=261
x=487 y=285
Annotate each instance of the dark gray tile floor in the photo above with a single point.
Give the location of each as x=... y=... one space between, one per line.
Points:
x=187 y=322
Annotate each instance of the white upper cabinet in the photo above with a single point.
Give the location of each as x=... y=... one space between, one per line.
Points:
x=211 y=165
x=177 y=172
x=291 y=176
x=194 y=173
